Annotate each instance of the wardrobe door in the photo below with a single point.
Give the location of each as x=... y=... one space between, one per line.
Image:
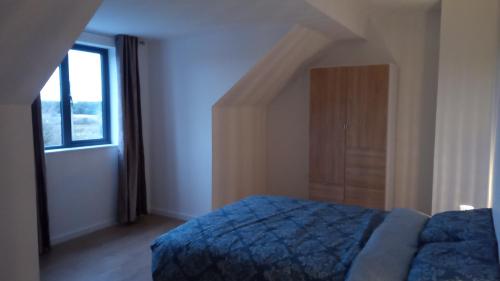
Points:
x=366 y=137
x=327 y=134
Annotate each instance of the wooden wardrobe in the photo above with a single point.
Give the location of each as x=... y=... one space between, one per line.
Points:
x=352 y=131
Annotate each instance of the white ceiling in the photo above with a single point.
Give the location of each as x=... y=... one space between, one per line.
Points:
x=163 y=18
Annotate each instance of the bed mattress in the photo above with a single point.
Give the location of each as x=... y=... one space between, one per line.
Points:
x=266 y=238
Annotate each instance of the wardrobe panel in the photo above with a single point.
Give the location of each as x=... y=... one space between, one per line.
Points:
x=327 y=120
x=367 y=102
x=369 y=198
x=366 y=135
x=365 y=168
x=327 y=192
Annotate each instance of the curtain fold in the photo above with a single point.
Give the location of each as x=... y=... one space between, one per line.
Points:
x=40 y=177
x=132 y=199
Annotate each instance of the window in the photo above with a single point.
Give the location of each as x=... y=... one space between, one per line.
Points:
x=75 y=100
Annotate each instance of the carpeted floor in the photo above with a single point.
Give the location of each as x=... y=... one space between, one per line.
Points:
x=117 y=253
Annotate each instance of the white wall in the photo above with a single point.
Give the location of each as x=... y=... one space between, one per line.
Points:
x=81 y=191
x=467 y=83
x=407 y=38
x=288 y=140
x=18 y=235
x=82 y=183
x=187 y=76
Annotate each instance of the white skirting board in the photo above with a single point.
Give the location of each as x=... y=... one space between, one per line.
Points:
x=61 y=238
x=58 y=239
x=171 y=214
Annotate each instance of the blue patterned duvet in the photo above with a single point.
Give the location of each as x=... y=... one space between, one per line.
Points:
x=266 y=238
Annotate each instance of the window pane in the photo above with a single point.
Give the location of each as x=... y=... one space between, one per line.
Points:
x=86 y=93
x=51 y=111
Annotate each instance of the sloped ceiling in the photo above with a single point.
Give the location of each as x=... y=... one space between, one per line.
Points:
x=352 y=13
x=161 y=19
x=35 y=36
x=265 y=80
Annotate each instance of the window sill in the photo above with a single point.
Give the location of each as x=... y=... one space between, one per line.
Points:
x=80 y=148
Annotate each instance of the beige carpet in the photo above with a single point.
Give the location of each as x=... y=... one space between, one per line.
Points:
x=113 y=254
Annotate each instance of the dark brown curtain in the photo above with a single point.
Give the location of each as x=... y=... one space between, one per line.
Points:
x=41 y=183
x=132 y=200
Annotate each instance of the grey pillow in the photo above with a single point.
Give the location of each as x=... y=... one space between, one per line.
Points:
x=388 y=253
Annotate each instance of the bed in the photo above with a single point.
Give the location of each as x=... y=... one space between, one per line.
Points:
x=279 y=238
